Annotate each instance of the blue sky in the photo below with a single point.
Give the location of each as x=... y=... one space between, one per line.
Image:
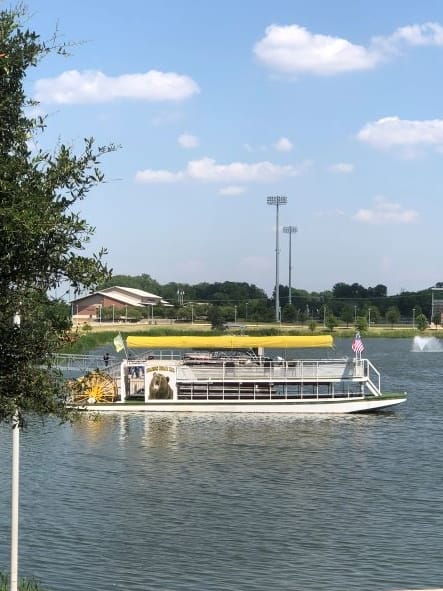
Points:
x=218 y=104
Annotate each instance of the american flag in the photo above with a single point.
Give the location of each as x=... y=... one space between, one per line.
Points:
x=357 y=344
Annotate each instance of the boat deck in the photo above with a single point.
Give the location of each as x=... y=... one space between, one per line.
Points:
x=297 y=380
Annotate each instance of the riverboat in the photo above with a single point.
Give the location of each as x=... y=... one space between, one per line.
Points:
x=231 y=374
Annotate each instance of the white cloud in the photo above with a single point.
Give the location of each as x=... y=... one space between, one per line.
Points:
x=293 y=49
x=157 y=176
x=341 y=168
x=385 y=212
x=186 y=140
x=232 y=190
x=393 y=131
x=92 y=86
x=283 y=145
x=413 y=35
x=207 y=170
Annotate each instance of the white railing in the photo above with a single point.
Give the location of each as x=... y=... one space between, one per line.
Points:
x=299 y=371
x=76 y=362
x=312 y=372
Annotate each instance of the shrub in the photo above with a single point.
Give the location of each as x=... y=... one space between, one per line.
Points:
x=23 y=585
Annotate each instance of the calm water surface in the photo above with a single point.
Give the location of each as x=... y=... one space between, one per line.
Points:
x=173 y=503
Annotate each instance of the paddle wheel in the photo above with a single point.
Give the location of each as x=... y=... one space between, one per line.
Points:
x=94 y=388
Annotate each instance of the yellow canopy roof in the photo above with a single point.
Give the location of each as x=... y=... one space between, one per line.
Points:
x=228 y=342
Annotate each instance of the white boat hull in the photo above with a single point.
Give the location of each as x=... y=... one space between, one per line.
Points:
x=332 y=406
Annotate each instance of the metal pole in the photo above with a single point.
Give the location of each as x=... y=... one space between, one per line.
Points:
x=290 y=266
x=277 y=276
x=277 y=200
x=290 y=230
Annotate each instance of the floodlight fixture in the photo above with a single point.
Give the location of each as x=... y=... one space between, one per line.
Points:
x=277 y=200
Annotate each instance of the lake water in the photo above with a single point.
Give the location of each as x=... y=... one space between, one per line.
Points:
x=239 y=503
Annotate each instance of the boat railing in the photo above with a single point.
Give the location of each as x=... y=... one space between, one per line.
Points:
x=300 y=370
x=373 y=378
x=157 y=354
x=72 y=362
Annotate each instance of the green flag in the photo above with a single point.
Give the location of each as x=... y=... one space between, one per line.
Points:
x=118 y=343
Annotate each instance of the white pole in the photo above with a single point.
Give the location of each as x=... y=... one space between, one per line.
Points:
x=14 y=500
x=15 y=487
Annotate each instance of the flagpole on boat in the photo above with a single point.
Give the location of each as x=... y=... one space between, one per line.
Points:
x=357 y=346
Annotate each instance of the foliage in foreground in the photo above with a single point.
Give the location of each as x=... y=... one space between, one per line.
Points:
x=24 y=584
x=42 y=235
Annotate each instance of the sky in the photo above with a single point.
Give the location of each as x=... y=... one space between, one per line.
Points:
x=217 y=105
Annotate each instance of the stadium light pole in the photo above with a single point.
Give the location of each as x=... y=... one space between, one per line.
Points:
x=277 y=200
x=290 y=230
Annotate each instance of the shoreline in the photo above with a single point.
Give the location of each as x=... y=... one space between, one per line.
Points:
x=379 y=331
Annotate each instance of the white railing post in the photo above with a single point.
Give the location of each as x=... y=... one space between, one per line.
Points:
x=123 y=382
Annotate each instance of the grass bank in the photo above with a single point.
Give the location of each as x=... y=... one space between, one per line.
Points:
x=104 y=334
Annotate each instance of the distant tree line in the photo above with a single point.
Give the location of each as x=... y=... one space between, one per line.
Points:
x=231 y=301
